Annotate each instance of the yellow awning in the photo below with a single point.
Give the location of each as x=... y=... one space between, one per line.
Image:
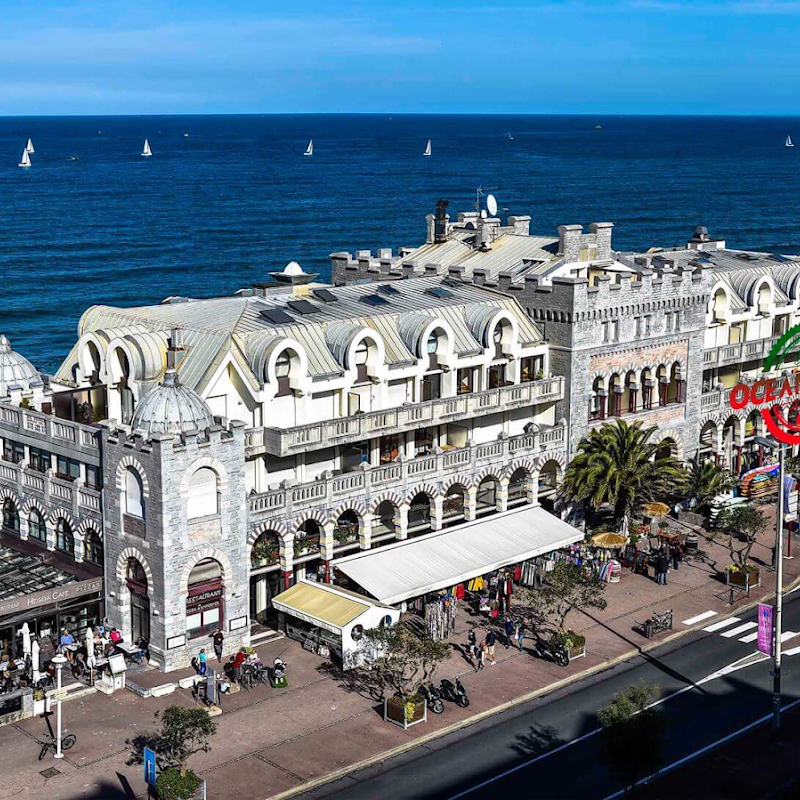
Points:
x=320 y=605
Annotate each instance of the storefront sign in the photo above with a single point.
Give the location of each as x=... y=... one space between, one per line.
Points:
x=765 y=628
x=239 y=622
x=204 y=601
x=176 y=641
x=35 y=600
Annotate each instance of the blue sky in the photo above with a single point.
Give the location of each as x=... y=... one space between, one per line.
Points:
x=499 y=56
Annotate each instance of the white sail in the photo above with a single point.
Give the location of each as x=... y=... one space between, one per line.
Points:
x=146 y=151
x=789 y=141
x=310 y=149
x=29 y=146
x=427 y=148
x=26 y=159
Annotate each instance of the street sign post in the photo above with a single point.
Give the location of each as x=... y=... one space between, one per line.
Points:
x=149 y=757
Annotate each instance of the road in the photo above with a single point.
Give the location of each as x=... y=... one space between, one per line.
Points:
x=712 y=684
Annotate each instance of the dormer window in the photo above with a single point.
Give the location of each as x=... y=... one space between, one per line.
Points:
x=283 y=366
x=361 y=354
x=431 y=346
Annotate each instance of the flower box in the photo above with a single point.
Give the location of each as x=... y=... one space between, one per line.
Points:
x=749 y=579
x=405 y=712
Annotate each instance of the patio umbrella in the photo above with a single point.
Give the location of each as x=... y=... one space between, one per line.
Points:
x=25 y=633
x=609 y=540
x=89 y=646
x=656 y=509
x=35 y=660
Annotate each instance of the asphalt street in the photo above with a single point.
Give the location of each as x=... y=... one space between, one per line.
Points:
x=551 y=748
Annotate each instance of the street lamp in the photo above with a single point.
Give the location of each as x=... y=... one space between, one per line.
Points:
x=59 y=660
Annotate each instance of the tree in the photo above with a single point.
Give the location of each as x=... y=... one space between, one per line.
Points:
x=738 y=528
x=633 y=733
x=567 y=588
x=405 y=660
x=618 y=464
x=706 y=480
x=184 y=732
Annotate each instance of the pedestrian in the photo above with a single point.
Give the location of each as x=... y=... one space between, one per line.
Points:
x=509 y=632
x=490 y=643
x=472 y=646
x=677 y=556
x=519 y=635
x=67 y=642
x=481 y=657
x=662 y=566
x=218 y=640
x=202 y=659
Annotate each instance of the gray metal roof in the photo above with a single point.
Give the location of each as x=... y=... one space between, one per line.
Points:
x=170 y=408
x=15 y=370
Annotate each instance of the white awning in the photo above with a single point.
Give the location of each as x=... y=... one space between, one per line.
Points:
x=417 y=566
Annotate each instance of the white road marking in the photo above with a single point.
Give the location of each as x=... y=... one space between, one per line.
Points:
x=739 y=629
x=699 y=618
x=717 y=626
x=787 y=635
x=793 y=652
x=751 y=637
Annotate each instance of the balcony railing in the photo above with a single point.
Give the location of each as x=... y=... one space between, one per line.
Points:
x=329 y=490
x=734 y=353
x=595 y=414
x=49 y=488
x=285 y=441
x=52 y=431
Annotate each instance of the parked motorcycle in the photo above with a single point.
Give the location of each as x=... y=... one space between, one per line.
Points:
x=433 y=696
x=551 y=651
x=455 y=692
x=277 y=675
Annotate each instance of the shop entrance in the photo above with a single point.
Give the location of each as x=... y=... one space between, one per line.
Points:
x=262 y=589
x=136 y=579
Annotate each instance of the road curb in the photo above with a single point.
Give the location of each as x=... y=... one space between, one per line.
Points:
x=517 y=701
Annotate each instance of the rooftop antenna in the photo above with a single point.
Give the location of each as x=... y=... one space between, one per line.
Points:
x=479 y=192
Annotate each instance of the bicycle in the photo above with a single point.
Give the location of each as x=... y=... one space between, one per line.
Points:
x=49 y=743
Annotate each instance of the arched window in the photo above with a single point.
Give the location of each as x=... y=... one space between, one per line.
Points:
x=454 y=502
x=65 y=542
x=93 y=548
x=720 y=306
x=134 y=494
x=36 y=526
x=764 y=299
x=518 y=486
x=283 y=366
x=384 y=519
x=361 y=356
x=10 y=517
x=347 y=528
x=266 y=550
x=486 y=498
x=307 y=539
x=203 y=500
x=419 y=515
x=204 y=602
x=433 y=343
x=94 y=356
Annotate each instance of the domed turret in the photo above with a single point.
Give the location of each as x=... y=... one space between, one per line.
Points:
x=171 y=409
x=15 y=370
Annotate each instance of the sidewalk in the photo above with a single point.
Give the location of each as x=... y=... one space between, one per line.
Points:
x=270 y=741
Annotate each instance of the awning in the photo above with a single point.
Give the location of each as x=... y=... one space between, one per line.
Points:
x=417 y=566
x=321 y=605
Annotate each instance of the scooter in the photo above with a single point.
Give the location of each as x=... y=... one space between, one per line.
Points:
x=455 y=693
x=433 y=696
x=277 y=675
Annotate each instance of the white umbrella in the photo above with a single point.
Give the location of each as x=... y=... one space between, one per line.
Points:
x=35 y=660
x=90 y=646
x=25 y=633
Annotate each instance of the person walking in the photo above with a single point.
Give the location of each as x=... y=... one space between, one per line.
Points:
x=677 y=556
x=662 y=566
x=509 y=632
x=481 y=657
x=218 y=640
x=472 y=647
x=491 y=639
x=519 y=634
x=202 y=662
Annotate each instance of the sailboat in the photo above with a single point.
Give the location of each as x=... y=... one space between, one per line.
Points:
x=427 y=148
x=510 y=137
x=29 y=147
x=310 y=149
x=26 y=159
x=146 y=151
x=789 y=142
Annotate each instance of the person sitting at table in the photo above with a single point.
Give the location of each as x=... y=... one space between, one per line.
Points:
x=67 y=642
x=115 y=636
x=8 y=684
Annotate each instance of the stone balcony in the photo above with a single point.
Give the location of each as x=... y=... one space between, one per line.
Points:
x=78 y=500
x=401 y=476
x=55 y=435
x=736 y=353
x=287 y=441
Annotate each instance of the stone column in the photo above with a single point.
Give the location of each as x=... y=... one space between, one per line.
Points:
x=470 y=509
x=402 y=523
x=287 y=559
x=24 y=529
x=502 y=494
x=437 y=512
x=365 y=532
x=326 y=545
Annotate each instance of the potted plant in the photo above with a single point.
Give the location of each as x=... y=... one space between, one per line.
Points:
x=738 y=529
x=569 y=587
x=183 y=732
x=404 y=662
x=265 y=552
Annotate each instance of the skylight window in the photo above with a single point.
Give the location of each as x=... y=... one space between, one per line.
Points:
x=276 y=316
x=374 y=300
x=302 y=307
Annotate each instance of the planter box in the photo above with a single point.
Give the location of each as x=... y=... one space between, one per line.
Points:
x=744 y=580
x=394 y=711
x=576 y=652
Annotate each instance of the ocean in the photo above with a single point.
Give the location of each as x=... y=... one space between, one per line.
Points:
x=218 y=209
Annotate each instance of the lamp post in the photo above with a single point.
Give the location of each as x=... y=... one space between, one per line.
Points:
x=59 y=660
x=776 y=651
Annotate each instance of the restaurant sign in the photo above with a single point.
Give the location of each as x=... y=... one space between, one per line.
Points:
x=773 y=394
x=204 y=601
x=29 y=602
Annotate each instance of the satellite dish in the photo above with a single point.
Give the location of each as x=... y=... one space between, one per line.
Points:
x=491 y=204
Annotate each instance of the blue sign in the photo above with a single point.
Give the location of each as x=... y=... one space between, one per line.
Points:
x=150 y=767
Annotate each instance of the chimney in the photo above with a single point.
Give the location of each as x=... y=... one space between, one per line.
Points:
x=602 y=232
x=175 y=348
x=569 y=242
x=440 y=222
x=521 y=224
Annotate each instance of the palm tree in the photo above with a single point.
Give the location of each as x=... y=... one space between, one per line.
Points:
x=618 y=464
x=706 y=480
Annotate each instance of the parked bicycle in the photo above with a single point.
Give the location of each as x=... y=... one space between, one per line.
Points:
x=48 y=742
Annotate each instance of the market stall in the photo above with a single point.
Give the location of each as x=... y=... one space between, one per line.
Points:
x=331 y=621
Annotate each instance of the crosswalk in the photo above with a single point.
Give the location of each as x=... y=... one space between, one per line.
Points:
x=734 y=628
